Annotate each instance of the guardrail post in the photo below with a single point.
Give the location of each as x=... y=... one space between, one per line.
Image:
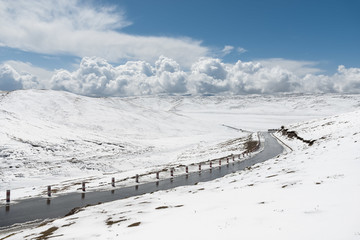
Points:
x=137 y=178
x=83 y=186
x=157 y=175
x=113 y=182
x=49 y=191
x=7 y=196
x=219 y=162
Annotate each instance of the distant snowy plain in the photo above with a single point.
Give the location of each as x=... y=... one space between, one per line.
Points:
x=309 y=192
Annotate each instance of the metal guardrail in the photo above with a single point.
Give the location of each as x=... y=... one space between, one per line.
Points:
x=201 y=166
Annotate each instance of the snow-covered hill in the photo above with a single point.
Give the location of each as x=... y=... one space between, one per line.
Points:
x=311 y=192
x=58 y=138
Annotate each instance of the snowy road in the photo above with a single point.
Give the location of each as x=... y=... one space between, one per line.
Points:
x=42 y=208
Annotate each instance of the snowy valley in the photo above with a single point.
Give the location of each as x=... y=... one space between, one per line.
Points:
x=308 y=192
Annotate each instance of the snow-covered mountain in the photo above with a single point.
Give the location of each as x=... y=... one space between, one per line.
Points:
x=309 y=192
x=47 y=137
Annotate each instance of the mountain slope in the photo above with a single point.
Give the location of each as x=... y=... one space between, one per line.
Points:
x=51 y=137
x=311 y=192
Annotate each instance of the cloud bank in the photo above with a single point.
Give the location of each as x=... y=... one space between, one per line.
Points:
x=95 y=76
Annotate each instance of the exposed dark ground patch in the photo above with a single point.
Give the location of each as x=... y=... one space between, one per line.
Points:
x=251 y=146
x=162 y=207
x=79 y=209
x=68 y=225
x=293 y=134
x=74 y=211
x=135 y=224
x=10 y=235
x=110 y=222
x=271 y=176
x=44 y=223
x=47 y=233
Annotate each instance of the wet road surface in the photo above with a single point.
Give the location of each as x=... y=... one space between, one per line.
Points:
x=43 y=208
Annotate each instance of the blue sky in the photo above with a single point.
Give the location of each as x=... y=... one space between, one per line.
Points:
x=323 y=31
x=299 y=36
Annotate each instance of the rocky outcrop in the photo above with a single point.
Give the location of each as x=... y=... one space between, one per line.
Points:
x=293 y=134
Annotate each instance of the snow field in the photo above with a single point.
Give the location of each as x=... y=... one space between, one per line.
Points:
x=311 y=192
x=61 y=139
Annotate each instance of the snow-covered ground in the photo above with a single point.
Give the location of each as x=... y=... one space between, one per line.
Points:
x=311 y=192
x=60 y=139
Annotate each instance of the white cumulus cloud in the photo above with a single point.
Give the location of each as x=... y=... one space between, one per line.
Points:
x=253 y=77
x=227 y=50
x=348 y=79
x=208 y=76
x=95 y=76
x=300 y=68
x=241 y=50
x=11 y=80
x=25 y=68
x=82 y=29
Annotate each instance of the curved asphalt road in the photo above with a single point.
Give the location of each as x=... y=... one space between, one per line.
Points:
x=42 y=208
